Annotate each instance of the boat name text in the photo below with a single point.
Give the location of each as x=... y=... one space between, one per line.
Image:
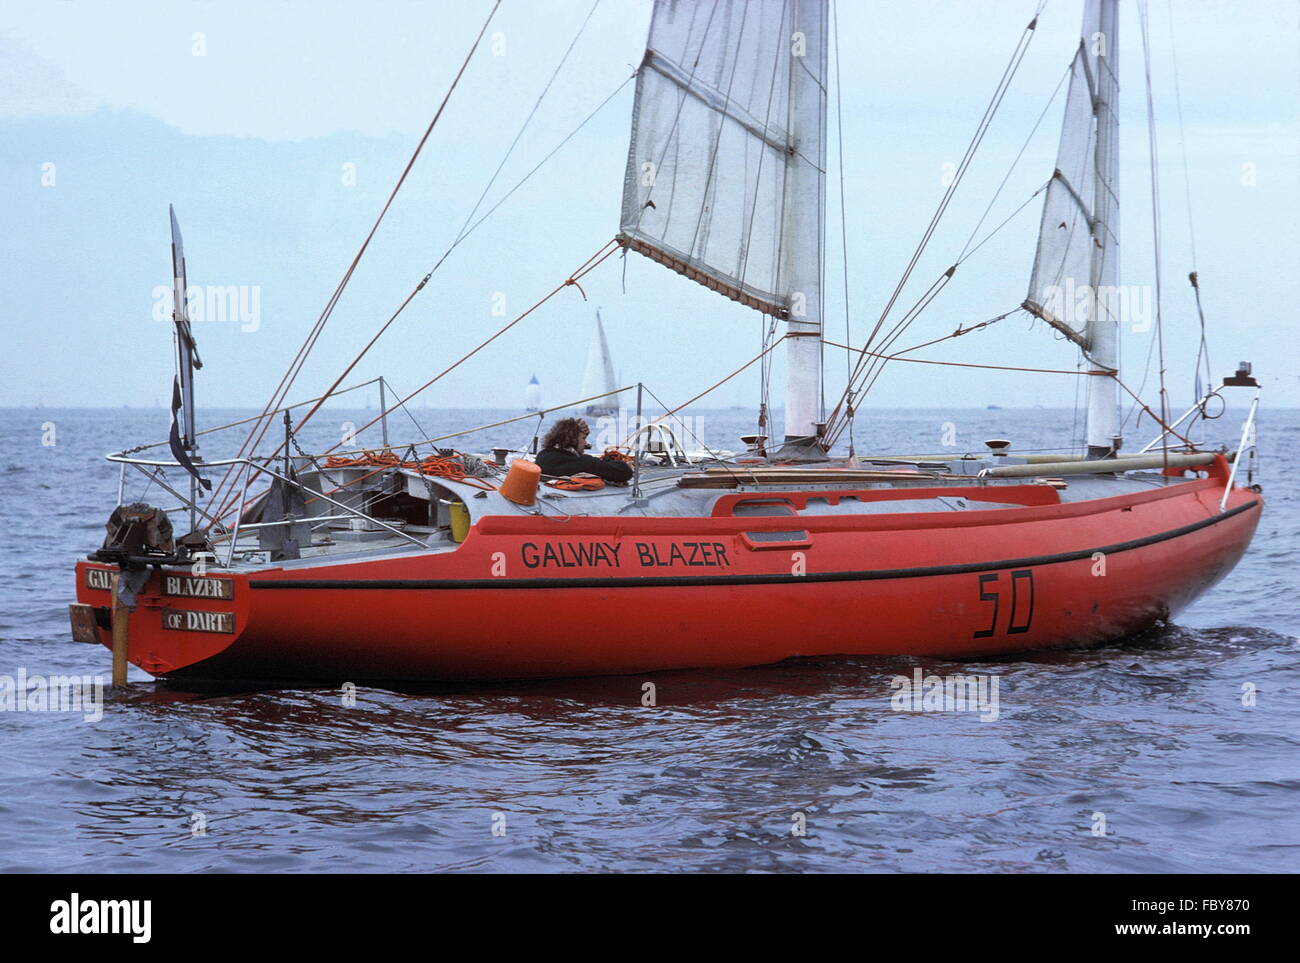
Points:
x=99 y=578
x=606 y=554
x=198 y=588
x=187 y=620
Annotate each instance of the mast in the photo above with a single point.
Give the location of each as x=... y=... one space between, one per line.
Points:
x=805 y=221
x=1074 y=284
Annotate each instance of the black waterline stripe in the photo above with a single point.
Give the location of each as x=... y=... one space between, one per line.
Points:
x=682 y=580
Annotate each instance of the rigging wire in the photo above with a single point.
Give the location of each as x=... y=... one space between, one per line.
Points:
x=244 y=421
x=1010 y=217
x=1155 y=204
x=1203 y=348
x=467 y=231
x=520 y=133
x=259 y=430
x=718 y=384
x=466 y=228
x=540 y=164
x=688 y=430
x=835 y=421
x=608 y=248
x=1092 y=373
x=1010 y=170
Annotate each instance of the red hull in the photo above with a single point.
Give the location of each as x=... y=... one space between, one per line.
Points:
x=530 y=597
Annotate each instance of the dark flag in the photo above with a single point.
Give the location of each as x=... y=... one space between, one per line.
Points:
x=174 y=438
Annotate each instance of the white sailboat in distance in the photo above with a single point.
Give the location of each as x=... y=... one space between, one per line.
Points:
x=598 y=379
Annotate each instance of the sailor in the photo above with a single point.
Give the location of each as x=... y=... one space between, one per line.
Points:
x=562 y=454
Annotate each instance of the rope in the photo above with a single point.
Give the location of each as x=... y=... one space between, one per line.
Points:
x=687 y=428
x=432 y=466
x=835 y=421
x=1010 y=170
x=1203 y=349
x=585 y=268
x=1155 y=208
x=1096 y=372
x=498 y=424
x=959 y=332
x=718 y=384
x=470 y=231
x=244 y=421
x=286 y=382
x=465 y=227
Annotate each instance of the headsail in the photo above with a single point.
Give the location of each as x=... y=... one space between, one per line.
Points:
x=726 y=168
x=598 y=379
x=1074 y=285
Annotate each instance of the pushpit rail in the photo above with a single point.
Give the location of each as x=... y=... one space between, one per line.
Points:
x=142 y=464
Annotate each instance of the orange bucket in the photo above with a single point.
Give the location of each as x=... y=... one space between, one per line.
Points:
x=521 y=482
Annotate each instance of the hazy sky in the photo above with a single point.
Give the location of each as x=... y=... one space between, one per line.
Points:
x=277 y=129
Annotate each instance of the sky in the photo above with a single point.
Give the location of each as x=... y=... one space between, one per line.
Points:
x=278 y=129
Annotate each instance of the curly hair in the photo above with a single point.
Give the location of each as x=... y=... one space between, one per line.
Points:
x=566 y=433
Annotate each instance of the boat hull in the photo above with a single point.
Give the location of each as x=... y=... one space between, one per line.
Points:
x=533 y=597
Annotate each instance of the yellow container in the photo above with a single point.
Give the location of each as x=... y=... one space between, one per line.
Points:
x=459 y=521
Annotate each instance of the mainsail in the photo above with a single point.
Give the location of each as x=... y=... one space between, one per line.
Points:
x=1074 y=285
x=598 y=379
x=725 y=179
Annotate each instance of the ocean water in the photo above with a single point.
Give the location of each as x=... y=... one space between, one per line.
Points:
x=799 y=767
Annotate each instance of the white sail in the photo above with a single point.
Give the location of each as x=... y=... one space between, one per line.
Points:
x=598 y=379
x=533 y=395
x=1074 y=285
x=726 y=168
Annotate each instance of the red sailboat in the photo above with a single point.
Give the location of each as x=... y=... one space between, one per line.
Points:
x=418 y=562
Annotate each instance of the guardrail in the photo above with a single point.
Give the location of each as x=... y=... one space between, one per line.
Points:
x=142 y=463
x=1247 y=433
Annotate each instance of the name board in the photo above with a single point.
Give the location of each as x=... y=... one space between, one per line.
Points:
x=195 y=587
x=187 y=620
x=100 y=579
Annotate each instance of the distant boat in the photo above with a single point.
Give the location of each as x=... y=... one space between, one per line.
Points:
x=533 y=396
x=994 y=408
x=599 y=376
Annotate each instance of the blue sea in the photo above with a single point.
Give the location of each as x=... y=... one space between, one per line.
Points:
x=1175 y=752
